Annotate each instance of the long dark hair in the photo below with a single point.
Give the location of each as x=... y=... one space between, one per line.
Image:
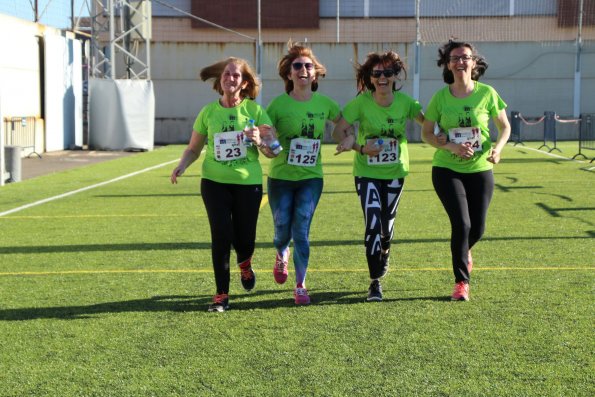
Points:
x=444 y=58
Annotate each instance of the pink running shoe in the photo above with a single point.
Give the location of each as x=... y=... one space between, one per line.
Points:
x=469 y=262
x=460 y=292
x=280 y=269
x=301 y=296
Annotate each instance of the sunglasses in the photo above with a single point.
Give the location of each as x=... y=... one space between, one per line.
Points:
x=386 y=72
x=299 y=65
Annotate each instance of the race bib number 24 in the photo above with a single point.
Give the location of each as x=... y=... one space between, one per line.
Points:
x=469 y=135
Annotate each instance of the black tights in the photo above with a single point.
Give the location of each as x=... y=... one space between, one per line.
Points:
x=233 y=212
x=466 y=198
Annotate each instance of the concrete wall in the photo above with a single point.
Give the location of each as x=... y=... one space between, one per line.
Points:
x=530 y=77
x=41 y=77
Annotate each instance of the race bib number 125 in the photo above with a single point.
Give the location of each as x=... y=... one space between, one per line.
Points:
x=303 y=152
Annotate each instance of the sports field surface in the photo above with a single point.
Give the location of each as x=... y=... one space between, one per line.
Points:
x=105 y=278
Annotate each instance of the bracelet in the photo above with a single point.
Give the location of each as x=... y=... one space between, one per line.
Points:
x=361 y=149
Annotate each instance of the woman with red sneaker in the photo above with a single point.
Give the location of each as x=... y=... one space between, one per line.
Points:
x=463 y=162
x=231 y=184
x=295 y=176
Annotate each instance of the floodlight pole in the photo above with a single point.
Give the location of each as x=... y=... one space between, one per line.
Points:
x=338 y=22
x=417 y=53
x=577 y=71
x=259 y=50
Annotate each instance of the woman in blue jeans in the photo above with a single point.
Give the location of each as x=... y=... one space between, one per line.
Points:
x=295 y=175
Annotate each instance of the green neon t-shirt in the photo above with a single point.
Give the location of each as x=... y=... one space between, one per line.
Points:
x=388 y=123
x=301 y=120
x=214 y=119
x=475 y=110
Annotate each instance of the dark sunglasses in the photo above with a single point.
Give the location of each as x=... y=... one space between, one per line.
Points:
x=299 y=65
x=386 y=72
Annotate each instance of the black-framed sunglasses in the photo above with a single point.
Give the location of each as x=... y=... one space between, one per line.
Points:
x=299 y=65
x=386 y=72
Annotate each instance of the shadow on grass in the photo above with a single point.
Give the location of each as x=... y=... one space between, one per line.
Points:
x=190 y=303
x=43 y=249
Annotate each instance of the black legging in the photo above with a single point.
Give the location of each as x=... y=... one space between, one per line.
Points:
x=233 y=213
x=380 y=200
x=466 y=198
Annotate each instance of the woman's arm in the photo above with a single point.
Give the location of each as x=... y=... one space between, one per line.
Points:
x=344 y=135
x=501 y=121
x=190 y=155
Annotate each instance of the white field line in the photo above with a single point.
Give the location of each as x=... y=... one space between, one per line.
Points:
x=49 y=199
x=552 y=154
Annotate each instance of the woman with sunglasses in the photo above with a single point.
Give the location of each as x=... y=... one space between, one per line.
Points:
x=464 y=159
x=295 y=175
x=381 y=161
x=231 y=184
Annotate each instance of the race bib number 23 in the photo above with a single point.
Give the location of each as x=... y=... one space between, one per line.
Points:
x=229 y=146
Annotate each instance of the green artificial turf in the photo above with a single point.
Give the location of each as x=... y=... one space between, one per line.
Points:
x=104 y=292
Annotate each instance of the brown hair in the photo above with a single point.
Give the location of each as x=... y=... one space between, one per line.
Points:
x=364 y=71
x=214 y=72
x=294 y=51
x=444 y=58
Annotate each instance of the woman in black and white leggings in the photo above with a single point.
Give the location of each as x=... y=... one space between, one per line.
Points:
x=381 y=161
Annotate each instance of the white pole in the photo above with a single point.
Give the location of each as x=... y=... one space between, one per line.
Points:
x=259 y=52
x=1 y=144
x=112 y=39
x=577 y=70
x=417 y=53
x=338 y=23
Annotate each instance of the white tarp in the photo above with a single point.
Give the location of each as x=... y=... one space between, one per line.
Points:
x=121 y=114
x=63 y=93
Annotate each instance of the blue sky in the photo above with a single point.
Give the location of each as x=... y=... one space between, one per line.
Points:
x=55 y=13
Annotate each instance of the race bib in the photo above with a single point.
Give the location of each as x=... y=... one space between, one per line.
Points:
x=389 y=153
x=303 y=152
x=229 y=146
x=469 y=135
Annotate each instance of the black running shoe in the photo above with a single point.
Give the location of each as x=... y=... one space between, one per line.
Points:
x=384 y=263
x=375 y=292
x=220 y=303
x=247 y=277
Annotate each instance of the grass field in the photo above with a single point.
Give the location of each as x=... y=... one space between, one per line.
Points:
x=104 y=292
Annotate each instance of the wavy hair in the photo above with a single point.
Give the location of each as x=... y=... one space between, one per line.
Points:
x=214 y=72
x=389 y=59
x=294 y=51
x=444 y=58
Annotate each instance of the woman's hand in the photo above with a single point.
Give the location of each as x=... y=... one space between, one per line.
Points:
x=371 y=149
x=346 y=144
x=253 y=134
x=494 y=156
x=464 y=150
x=177 y=172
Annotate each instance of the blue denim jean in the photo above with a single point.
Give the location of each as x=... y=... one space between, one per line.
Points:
x=293 y=204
